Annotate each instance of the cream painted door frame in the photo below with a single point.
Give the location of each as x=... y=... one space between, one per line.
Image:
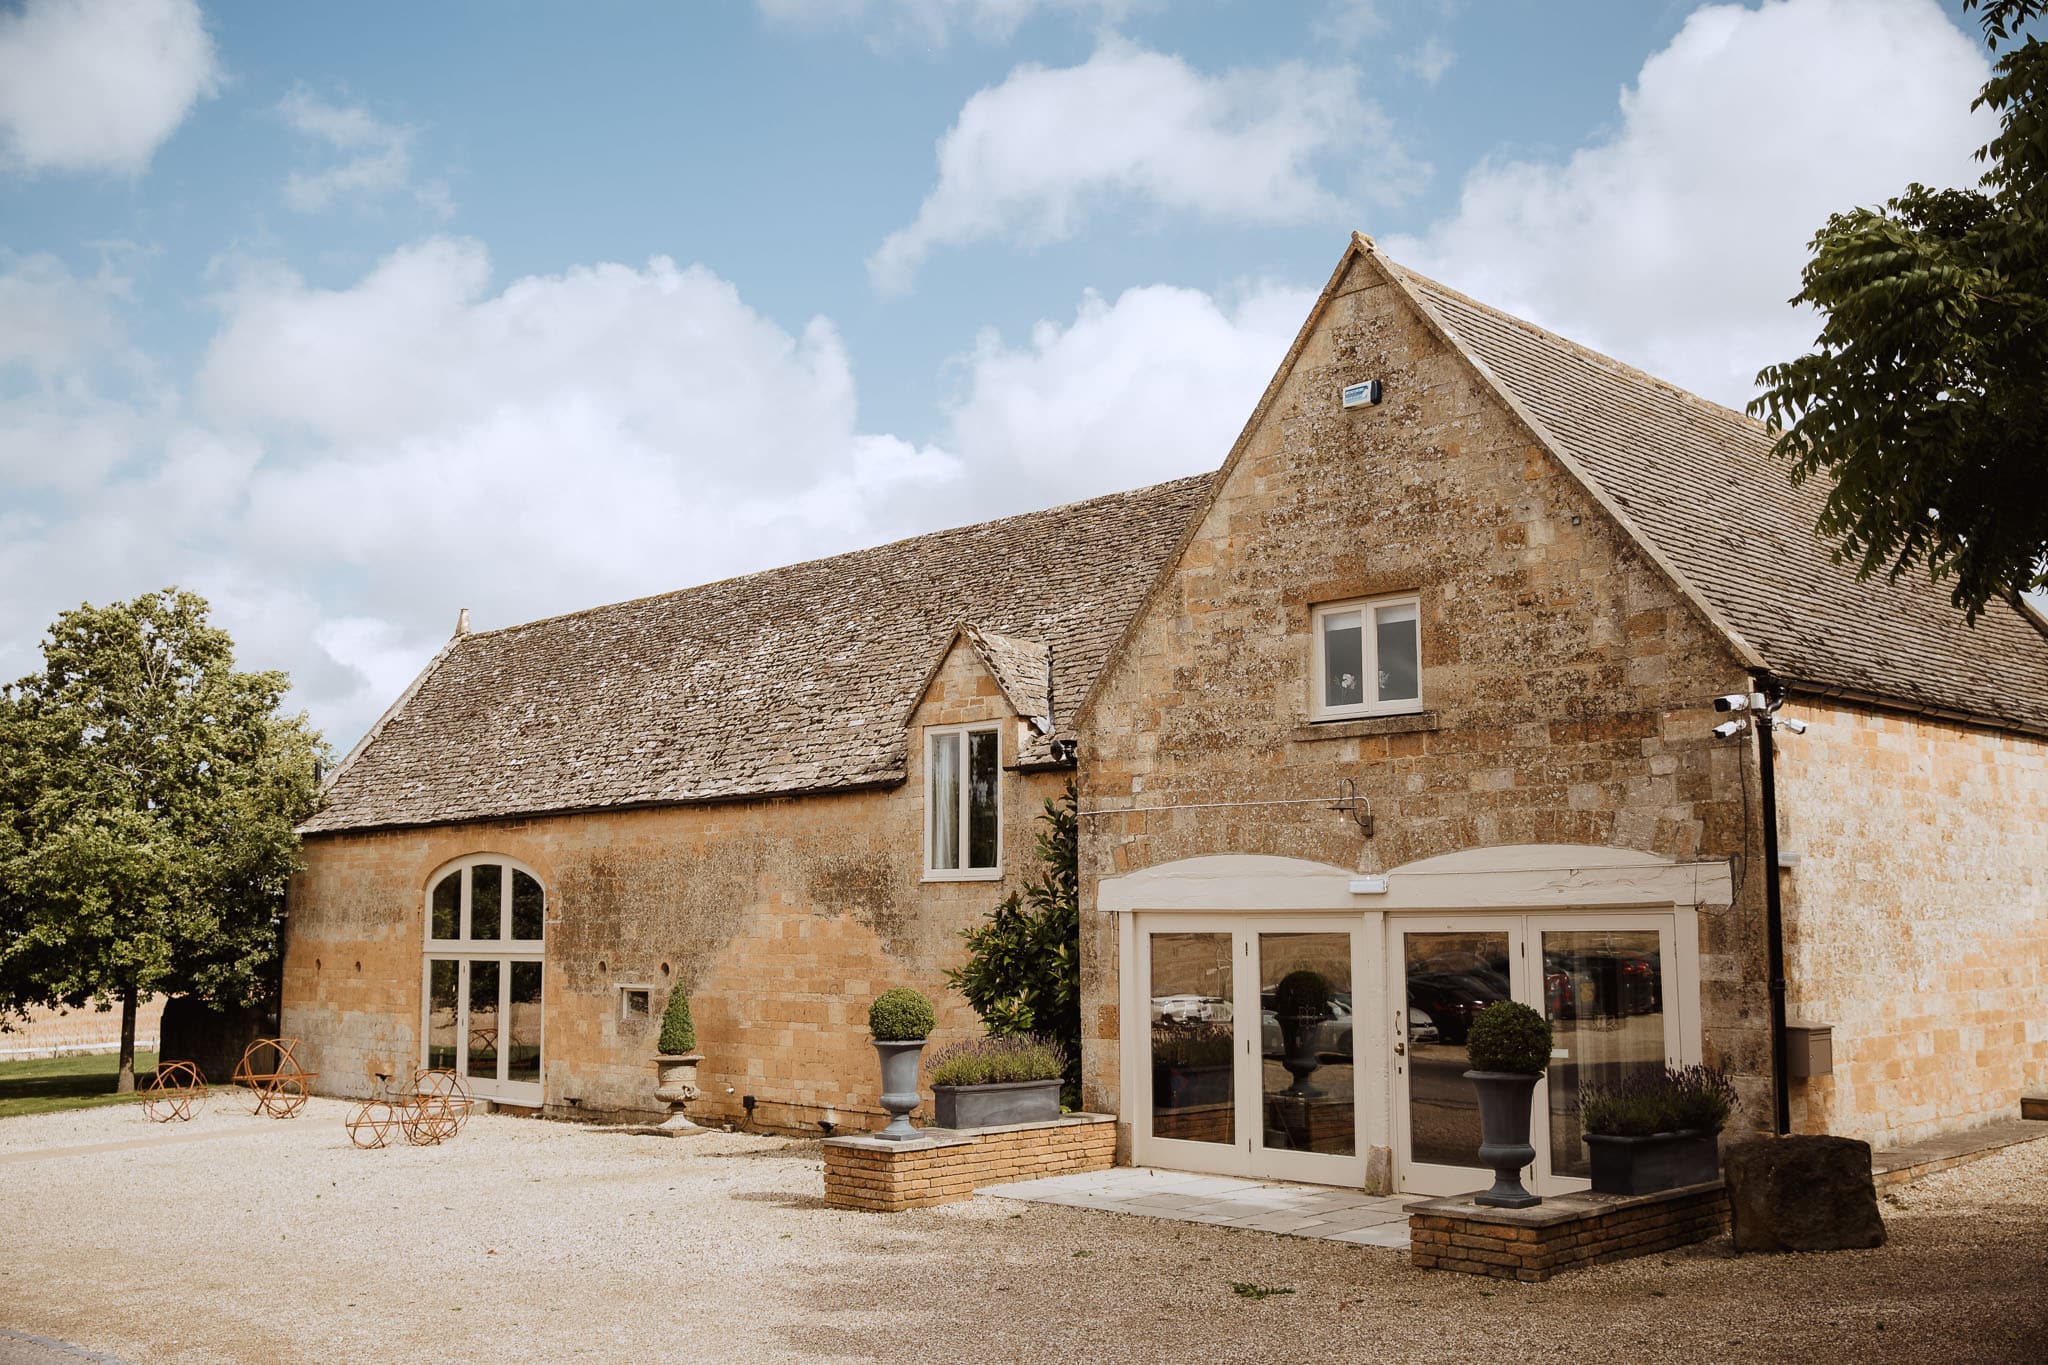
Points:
x=1244 y=1149
x=1679 y=1001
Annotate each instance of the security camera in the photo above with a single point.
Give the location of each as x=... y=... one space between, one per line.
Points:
x=1797 y=727
x=1728 y=729
x=1734 y=701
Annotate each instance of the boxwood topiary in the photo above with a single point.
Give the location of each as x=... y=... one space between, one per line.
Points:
x=1509 y=1036
x=1302 y=995
x=678 y=1031
x=900 y=1015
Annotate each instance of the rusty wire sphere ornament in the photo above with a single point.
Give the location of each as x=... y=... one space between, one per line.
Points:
x=176 y=1092
x=373 y=1122
x=277 y=1084
x=440 y=1106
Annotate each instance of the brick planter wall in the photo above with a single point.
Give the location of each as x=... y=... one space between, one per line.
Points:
x=1564 y=1232
x=949 y=1163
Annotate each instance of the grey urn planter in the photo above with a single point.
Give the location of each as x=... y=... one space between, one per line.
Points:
x=1504 y=1100
x=899 y=1085
x=987 y=1106
x=1660 y=1161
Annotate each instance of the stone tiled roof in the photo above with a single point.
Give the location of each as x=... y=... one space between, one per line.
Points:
x=797 y=679
x=1021 y=667
x=1698 y=483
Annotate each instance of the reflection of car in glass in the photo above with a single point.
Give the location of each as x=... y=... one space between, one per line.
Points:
x=1332 y=1038
x=1421 y=1028
x=1190 y=1009
x=1452 y=1000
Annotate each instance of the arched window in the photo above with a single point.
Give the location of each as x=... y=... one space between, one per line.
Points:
x=486 y=916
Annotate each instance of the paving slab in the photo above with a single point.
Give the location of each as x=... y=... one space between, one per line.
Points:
x=1318 y=1211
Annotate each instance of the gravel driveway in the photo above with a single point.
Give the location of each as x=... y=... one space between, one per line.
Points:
x=233 y=1238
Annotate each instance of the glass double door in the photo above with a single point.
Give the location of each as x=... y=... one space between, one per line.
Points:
x=1600 y=980
x=1248 y=1065
x=484 y=1023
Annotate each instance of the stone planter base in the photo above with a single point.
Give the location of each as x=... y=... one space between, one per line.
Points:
x=1564 y=1232
x=943 y=1165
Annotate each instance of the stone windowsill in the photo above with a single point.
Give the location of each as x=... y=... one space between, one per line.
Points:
x=1413 y=722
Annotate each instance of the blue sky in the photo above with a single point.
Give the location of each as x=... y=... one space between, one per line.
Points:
x=351 y=316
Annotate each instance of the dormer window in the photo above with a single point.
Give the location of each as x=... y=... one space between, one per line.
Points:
x=962 y=801
x=1368 y=658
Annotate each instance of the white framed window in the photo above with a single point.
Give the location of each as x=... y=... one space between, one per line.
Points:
x=963 y=803
x=1368 y=658
x=483 y=976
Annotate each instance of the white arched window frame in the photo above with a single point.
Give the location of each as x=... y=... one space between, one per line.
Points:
x=482 y=978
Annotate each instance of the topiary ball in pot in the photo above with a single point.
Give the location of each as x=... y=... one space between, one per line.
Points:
x=678 y=1031
x=1509 y=1048
x=900 y=1015
x=1509 y=1036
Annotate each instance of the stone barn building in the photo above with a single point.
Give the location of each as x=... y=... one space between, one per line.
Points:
x=1407 y=709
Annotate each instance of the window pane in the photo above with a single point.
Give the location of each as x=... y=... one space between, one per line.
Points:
x=441 y=1011
x=1193 y=1054
x=527 y=903
x=447 y=907
x=1604 y=992
x=1305 y=1032
x=1343 y=659
x=984 y=768
x=522 y=1043
x=483 y=1020
x=1451 y=978
x=486 y=892
x=942 y=800
x=1400 y=652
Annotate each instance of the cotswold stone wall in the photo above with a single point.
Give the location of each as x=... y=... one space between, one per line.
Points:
x=1916 y=918
x=782 y=918
x=1568 y=683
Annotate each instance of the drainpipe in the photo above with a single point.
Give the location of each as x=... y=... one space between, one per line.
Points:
x=1774 y=912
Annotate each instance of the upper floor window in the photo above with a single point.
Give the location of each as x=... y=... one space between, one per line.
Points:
x=1368 y=657
x=962 y=802
x=485 y=901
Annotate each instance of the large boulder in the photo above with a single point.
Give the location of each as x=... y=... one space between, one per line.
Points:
x=1802 y=1194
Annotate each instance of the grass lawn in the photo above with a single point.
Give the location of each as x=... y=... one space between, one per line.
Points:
x=49 y=1083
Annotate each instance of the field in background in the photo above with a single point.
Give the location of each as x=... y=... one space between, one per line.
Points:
x=50 y=1083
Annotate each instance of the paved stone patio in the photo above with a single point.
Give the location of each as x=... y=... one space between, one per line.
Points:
x=1336 y=1215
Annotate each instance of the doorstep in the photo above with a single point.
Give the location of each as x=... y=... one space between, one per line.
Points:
x=1329 y=1213
x=1917 y=1159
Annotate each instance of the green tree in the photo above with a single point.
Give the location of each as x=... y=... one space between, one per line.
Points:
x=149 y=794
x=1924 y=400
x=1023 y=969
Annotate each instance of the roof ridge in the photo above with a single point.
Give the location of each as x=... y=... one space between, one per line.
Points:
x=1621 y=367
x=843 y=554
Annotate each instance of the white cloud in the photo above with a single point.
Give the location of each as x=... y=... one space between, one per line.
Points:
x=1027 y=160
x=76 y=399
x=352 y=465
x=1429 y=62
x=1154 y=385
x=934 y=22
x=375 y=156
x=99 y=85
x=1675 y=241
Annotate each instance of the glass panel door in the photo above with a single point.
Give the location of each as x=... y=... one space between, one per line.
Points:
x=1307 y=1098
x=1189 y=1085
x=1604 y=992
x=1444 y=976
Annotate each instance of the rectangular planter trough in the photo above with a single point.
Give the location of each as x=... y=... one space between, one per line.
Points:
x=1645 y=1165
x=988 y=1106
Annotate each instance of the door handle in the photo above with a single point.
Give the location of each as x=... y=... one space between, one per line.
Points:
x=1400 y=1050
